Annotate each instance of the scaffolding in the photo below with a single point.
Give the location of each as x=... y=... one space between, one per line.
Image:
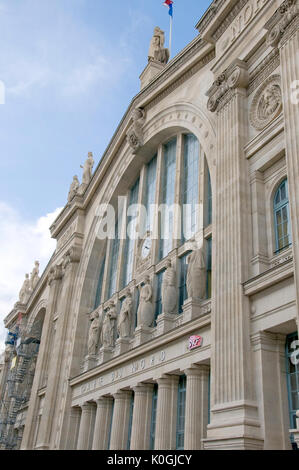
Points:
x=17 y=391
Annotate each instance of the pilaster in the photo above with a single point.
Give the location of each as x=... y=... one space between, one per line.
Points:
x=234 y=412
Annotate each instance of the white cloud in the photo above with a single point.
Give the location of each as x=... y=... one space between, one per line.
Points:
x=21 y=243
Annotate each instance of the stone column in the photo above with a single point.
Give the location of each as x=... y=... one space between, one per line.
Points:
x=102 y=424
x=120 y=420
x=142 y=413
x=166 y=413
x=73 y=430
x=86 y=427
x=54 y=282
x=196 y=412
x=234 y=413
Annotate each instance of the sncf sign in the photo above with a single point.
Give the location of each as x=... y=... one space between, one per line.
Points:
x=195 y=342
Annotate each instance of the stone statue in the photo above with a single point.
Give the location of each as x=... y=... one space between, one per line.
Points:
x=73 y=188
x=135 y=133
x=94 y=334
x=125 y=317
x=196 y=274
x=34 y=276
x=25 y=291
x=145 y=313
x=157 y=50
x=107 y=336
x=169 y=290
x=87 y=169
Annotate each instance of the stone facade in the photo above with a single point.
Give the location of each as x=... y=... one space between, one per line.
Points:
x=114 y=355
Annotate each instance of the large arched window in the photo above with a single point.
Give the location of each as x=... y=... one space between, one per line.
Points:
x=282 y=217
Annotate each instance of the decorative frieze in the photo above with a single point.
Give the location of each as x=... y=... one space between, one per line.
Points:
x=263 y=70
x=280 y=21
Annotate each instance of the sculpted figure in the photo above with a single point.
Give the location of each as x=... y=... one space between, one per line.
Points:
x=196 y=274
x=107 y=336
x=34 y=275
x=87 y=169
x=94 y=334
x=125 y=317
x=145 y=313
x=25 y=291
x=270 y=101
x=169 y=290
x=73 y=188
x=157 y=50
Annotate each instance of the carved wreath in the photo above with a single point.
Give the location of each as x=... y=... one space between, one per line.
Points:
x=267 y=103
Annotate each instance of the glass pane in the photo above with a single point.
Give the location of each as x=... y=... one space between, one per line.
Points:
x=283 y=192
x=130 y=242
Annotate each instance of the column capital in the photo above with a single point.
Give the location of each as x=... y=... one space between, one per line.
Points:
x=122 y=394
x=87 y=406
x=235 y=76
x=55 y=274
x=143 y=388
x=279 y=23
x=167 y=380
x=73 y=255
x=197 y=370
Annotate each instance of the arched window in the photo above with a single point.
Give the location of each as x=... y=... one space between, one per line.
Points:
x=282 y=217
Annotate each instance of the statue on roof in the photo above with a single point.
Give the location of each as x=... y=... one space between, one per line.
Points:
x=157 y=51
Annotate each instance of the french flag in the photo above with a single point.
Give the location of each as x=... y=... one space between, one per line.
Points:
x=169 y=3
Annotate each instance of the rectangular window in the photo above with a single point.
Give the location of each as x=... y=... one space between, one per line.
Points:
x=190 y=186
x=130 y=422
x=168 y=190
x=150 y=193
x=158 y=309
x=100 y=284
x=180 y=428
x=209 y=267
x=183 y=278
x=114 y=263
x=292 y=369
x=153 y=418
x=130 y=242
x=110 y=427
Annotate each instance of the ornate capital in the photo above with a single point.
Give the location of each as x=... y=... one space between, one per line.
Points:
x=280 y=21
x=73 y=255
x=55 y=273
x=135 y=133
x=235 y=76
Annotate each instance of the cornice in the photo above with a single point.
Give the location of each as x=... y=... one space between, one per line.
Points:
x=263 y=70
x=280 y=21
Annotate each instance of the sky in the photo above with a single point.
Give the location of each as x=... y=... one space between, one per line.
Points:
x=69 y=69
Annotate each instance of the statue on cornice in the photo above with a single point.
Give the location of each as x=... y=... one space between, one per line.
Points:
x=73 y=188
x=196 y=274
x=125 y=317
x=145 y=313
x=34 y=276
x=157 y=51
x=87 y=169
x=107 y=336
x=169 y=290
x=94 y=333
x=25 y=291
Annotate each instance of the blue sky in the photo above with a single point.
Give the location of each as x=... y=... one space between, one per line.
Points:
x=70 y=69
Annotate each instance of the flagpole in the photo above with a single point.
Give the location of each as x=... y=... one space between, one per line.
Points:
x=170 y=35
